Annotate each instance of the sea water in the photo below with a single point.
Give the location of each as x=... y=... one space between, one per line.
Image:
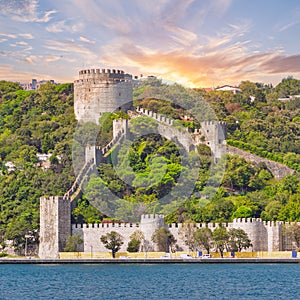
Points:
x=153 y=281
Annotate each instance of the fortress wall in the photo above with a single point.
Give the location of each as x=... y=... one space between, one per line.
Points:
x=91 y=234
x=264 y=236
x=278 y=170
x=120 y=136
x=213 y=131
x=119 y=125
x=155 y=116
x=99 y=91
x=256 y=230
x=176 y=229
x=172 y=133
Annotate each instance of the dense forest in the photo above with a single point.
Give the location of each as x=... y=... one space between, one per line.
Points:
x=150 y=168
x=33 y=122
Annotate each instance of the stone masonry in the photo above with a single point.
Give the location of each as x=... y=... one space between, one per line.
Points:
x=55 y=225
x=265 y=236
x=278 y=170
x=98 y=91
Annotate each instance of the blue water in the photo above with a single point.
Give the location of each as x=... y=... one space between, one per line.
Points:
x=201 y=281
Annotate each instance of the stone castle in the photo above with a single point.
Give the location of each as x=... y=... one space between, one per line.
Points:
x=98 y=91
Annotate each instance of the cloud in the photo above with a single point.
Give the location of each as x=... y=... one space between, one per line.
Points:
x=198 y=60
x=27 y=36
x=22 y=43
x=282 y=64
x=8 y=73
x=212 y=65
x=184 y=41
x=220 y=6
x=11 y=36
x=85 y=40
x=287 y=26
x=73 y=51
x=25 y=11
x=31 y=59
x=62 y=26
x=52 y=58
x=56 y=27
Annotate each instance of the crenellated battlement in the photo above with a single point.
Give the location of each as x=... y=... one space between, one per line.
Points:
x=213 y=123
x=211 y=226
x=155 y=116
x=247 y=220
x=102 y=75
x=213 y=132
x=52 y=198
x=103 y=72
x=118 y=138
x=257 y=221
x=151 y=217
x=106 y=225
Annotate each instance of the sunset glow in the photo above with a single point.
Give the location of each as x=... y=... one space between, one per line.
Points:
x=196 y=43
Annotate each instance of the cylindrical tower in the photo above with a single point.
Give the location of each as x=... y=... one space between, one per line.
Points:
x=149 y=223
x=97 y=91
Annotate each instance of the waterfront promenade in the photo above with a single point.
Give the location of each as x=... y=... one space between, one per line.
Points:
x=152 y=261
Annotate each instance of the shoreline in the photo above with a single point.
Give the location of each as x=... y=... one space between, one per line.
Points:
x=153 y=261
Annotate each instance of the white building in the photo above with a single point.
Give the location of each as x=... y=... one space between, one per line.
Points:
x=228 y=88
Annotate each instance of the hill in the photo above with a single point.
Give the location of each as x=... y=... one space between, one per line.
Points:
x=38 y=122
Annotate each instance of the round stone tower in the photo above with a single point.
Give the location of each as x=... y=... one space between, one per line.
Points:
x=98 y=91
x=149 y=223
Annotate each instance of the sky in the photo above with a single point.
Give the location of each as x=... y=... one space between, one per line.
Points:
x=197 y=43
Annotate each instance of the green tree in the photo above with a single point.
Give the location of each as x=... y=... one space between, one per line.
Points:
x=133 y=245
x=271 y=211
x=187 y=232
x=221 y=238
x=242 y=212
x=73 y=243
x=164 y=239
x=238 y=239
x=203 y=238
x=288 y=86
x=136 y=239
x=293 y=232
x=112 y=241
x=291 y=211
x=143 y=125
